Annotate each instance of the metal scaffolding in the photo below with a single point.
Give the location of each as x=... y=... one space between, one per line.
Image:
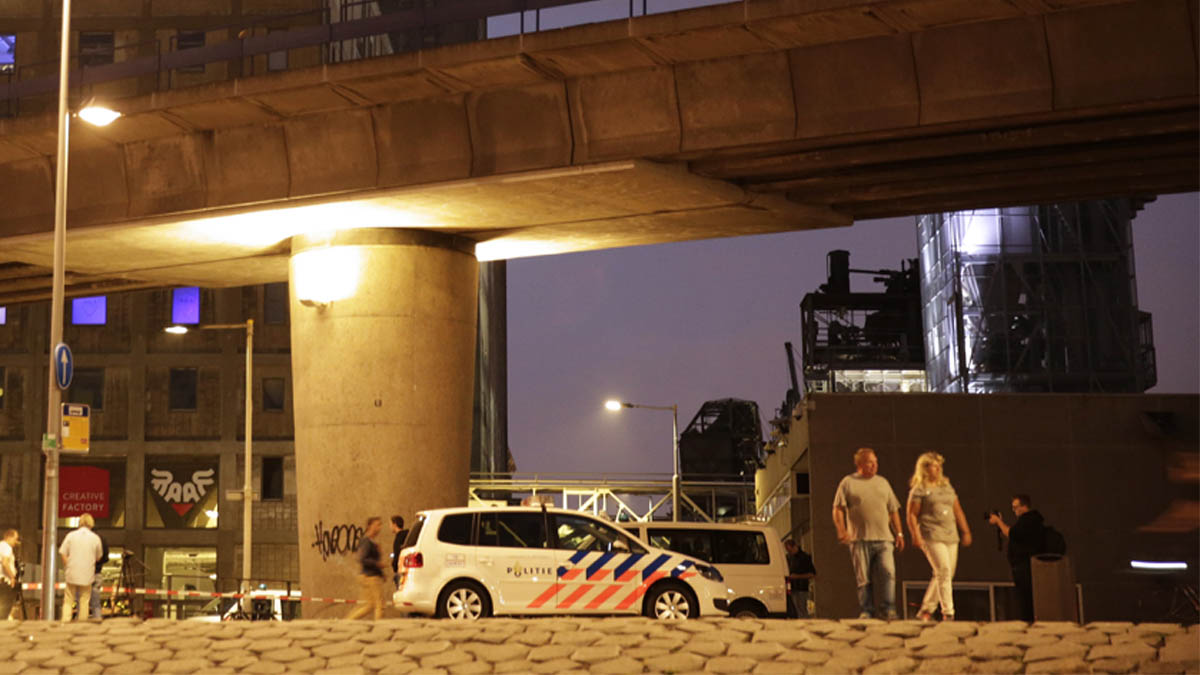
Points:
x=1034 y=299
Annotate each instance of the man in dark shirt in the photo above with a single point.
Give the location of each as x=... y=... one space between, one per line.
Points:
x=371 y=577
x=800 y=570
x=1026 y=538
x=397 y=544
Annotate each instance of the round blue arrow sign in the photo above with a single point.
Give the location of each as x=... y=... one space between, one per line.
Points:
x=64 y=365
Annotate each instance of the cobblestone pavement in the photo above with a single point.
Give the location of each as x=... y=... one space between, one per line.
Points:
x=602 y=645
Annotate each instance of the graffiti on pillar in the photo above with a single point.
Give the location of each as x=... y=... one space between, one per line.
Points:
x=337 y=539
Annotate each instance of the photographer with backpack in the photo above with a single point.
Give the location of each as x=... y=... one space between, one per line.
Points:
x=1026 y=538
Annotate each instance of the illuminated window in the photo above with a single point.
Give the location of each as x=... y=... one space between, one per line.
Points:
x=182 y=392
x=3 y=315
x=8 y=52
x=87 y=387
x=91 y=311
x=273 y=393
x=185 y=305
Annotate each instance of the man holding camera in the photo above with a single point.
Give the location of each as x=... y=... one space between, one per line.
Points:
x=1025 y=540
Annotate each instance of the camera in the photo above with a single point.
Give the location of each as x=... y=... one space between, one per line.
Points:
x=987 y=515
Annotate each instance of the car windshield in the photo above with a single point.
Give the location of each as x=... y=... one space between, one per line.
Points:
x=577 y=533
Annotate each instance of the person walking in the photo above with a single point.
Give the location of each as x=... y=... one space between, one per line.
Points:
x=1026 y=538
x=81 y=549
x=864 y=506
x=9 y=589
x=800 y=570
x=935 y=519
x=397 y=543
x=370 y=577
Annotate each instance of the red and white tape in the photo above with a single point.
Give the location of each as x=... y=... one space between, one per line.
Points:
x=294 y=596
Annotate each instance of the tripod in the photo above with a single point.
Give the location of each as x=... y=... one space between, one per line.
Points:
x=20 y=593
x=123 y=597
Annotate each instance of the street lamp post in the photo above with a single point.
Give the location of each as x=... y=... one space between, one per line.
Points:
x=247 y=484
x=615 y=406
x=54 y=394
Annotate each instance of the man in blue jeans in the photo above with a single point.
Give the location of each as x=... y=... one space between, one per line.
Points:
x=864 y=507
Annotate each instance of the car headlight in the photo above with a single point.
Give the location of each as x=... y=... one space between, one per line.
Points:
x=710 y=573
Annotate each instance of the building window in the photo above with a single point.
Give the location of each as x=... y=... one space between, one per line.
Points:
x=275 y=303
x=90 y=311
x=191 y=39
x=277 y=60
x=183 y=389
x=272 y=391
x=95 y=48
x=8 y=52
x=96 y=487
x=272 y=478
x=185 y=305
x=3 y=315
x=87 y=387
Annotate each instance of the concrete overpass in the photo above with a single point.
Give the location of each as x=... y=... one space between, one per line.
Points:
x=378 y=184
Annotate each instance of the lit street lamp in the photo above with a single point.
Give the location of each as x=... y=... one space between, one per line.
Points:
x=247 y=485
x=50 y=445
x=615 y=406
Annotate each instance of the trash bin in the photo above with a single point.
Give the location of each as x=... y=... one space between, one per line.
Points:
x=1053 y=588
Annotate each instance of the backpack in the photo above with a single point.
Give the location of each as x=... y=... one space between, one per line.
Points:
x=1053 y=541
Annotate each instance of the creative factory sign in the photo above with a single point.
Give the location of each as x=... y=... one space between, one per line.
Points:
x=83 y=489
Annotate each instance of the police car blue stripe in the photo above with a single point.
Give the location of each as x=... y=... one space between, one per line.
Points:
x=598 y=564
x=630 y=561
x=681 y=568
x=579 y=555
x=658 y=562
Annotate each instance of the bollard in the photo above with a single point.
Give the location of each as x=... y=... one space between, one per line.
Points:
x=1053 y=588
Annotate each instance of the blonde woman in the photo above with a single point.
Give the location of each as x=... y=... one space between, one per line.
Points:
x=935 y=519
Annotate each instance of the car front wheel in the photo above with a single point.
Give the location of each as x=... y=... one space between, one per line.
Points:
x=463 y=601
x=671 y=601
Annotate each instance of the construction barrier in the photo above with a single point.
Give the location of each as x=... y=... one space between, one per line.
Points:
x=293 y=596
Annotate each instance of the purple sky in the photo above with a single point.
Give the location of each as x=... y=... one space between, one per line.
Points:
x=685 y=323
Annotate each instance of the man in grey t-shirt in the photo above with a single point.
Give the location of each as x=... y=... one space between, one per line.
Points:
x=864 y=507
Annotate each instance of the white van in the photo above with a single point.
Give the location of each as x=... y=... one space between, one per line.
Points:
x=469 y=563
x=750 y=556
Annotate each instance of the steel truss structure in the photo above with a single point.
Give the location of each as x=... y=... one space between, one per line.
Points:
x=1034 y=299
x=619 y=496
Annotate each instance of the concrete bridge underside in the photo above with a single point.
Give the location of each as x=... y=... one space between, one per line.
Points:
x=385 y=175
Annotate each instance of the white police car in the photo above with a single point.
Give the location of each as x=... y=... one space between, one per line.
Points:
x=468 y=563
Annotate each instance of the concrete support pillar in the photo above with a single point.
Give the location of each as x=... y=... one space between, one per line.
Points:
x=383 y=357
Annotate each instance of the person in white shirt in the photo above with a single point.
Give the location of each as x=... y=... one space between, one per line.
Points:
x=8 y=573
x=80 y=551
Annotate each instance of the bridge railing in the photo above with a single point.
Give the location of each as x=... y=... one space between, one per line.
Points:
x=344 y=32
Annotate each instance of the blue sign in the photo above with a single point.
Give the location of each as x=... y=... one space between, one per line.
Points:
x=64 y=365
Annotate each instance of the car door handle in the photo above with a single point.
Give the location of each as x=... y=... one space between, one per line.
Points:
x=484 y=561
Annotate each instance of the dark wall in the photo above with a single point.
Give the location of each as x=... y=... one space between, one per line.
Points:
x=1095 y=465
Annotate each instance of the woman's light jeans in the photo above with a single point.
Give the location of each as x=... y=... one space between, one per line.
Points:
x=943 y=558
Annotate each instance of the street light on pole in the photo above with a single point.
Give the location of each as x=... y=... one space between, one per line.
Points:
x=247 y=484
x=615 y=406
x=54 y=393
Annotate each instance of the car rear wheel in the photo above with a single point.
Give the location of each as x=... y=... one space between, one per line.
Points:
x=671 y=601
x=463 y=601
x=747 y=609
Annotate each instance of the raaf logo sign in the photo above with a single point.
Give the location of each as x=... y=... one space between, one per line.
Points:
x=178 y=488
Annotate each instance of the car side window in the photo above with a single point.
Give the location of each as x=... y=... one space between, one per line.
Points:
x=513 y=530
x=696 y=543
x=456 y=529
x=740 y=548
x=578 y=533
